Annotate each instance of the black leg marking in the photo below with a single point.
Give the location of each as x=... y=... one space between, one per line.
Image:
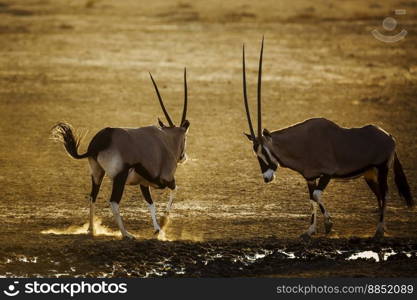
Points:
x=321 y=208
x=323 y=182
x=312 y=219
x=118 y=186
x=311 y=187
x=94 y=189
x=146 y=193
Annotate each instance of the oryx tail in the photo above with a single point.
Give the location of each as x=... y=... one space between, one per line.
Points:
x=64 y=133
x=401 y=182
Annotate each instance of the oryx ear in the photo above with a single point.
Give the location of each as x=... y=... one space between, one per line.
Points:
x=250 y=138
x=160 y=123
x=185 y=124
x=266 y=133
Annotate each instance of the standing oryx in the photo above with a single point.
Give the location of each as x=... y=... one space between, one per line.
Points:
x=146 y=156
x=320 y=150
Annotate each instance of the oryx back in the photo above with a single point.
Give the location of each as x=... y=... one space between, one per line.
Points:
x=319 y=146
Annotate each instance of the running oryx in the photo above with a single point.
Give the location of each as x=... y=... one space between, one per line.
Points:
x=320 y=150
x=146 y=156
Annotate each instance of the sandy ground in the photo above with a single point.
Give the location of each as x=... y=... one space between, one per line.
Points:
x=87 y=62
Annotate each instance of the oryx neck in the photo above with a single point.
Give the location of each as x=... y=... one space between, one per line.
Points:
x=174 y=139
x=279 y=150
x=284 y=145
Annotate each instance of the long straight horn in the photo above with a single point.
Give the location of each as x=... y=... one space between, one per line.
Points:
x=245 y=95
x=259 y=91
x=162 y=103
x=184 y=111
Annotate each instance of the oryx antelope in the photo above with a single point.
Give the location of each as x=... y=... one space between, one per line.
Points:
x=320 y=150
x=146 y=156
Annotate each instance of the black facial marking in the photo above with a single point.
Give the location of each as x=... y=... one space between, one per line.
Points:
x=269 y=164
x=264 y=167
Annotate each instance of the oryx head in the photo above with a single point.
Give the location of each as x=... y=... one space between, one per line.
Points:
x=262 y=144
x=178 y=133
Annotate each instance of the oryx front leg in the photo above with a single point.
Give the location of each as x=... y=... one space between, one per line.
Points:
x=383 y=187
x=313 y=221
x=152 y=209
x=316 y=196
x=312 y=229
x=118 y=186
x=164 y=220
x=315 y=191
x=172 y=194
x=328 y=223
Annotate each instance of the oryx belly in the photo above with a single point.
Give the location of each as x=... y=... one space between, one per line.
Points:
x=135 y=178
x=369 y=173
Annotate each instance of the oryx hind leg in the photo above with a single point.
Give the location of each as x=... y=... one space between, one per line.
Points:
x=371 y=178
x=146 y=192
x=97 y=174
x=315 y=191
x=323 y=182
x=383 y=188
x=116 y=194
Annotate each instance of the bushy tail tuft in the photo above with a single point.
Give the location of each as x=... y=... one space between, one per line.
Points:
x=401 y=182
x=64 y=133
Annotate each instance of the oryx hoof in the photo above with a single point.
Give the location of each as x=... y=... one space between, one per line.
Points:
x=128 y=236
x=378 y=235
x=160 y=234
x=380 y=230
x=90 y=231
x=163 y=221
x=328 y=224
x=306 y=237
